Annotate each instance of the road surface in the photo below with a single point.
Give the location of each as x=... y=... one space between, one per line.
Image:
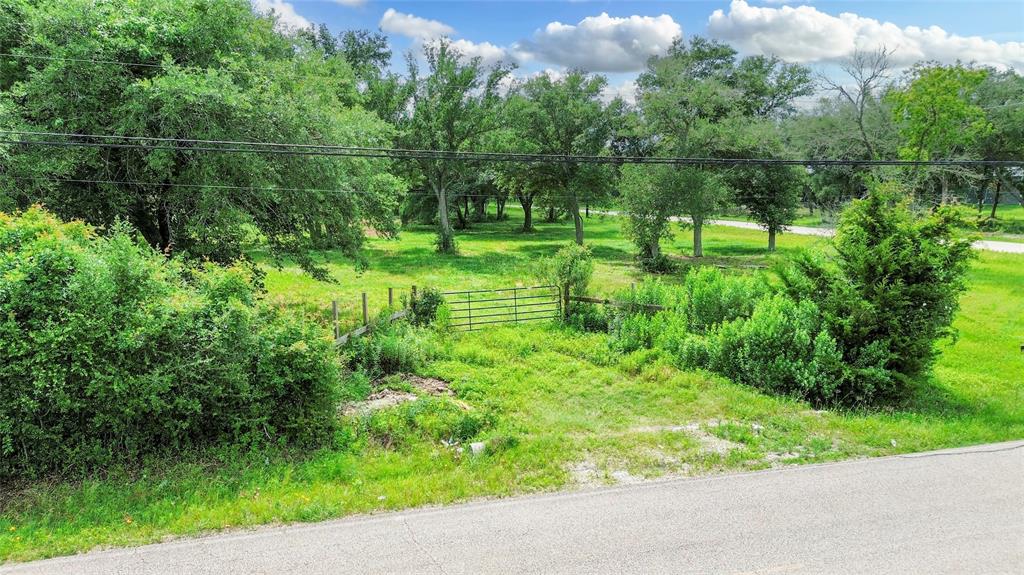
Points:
x=956 y=511
x=986 y=245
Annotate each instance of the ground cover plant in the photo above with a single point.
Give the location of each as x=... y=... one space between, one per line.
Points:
x=555 y=406
x=110 y=352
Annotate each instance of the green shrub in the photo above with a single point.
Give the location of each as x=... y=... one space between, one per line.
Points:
x=782 y=348
x=424 y=306
x=389 y=348
x=890 y=292
x=109 y=351
x=571 y=266
x=712 y=297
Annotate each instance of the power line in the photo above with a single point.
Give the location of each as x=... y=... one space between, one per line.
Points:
x=234 y=146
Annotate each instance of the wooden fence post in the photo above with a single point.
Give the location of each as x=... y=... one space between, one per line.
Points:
x=334 y=310
x=391 y=297
x=365 y=311
x=565 y=301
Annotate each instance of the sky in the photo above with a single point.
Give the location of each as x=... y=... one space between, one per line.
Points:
x=615 y=38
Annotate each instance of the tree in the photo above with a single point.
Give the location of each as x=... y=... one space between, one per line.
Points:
x=452 y=107
x=867 y=80
x=938 y=116
x=215 y=71
x=566 y=117
x=1000 y=96
x=771 y=194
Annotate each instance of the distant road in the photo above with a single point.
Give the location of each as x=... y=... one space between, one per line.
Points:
x=955 y=511
x=987 y=245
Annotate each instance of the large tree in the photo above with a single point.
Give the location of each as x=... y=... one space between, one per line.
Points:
x=454 y=104
x=566 y=117
x=214 y=71
x=938 y=116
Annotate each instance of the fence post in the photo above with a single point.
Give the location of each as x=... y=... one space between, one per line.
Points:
x=365 y=311
x=391 y=297
x=334 y=310
x=565 y=299
x=413 y=297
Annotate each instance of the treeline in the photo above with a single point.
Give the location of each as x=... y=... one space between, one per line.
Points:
x=195 y=69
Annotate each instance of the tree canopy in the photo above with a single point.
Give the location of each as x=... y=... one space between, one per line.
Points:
x=192 y=69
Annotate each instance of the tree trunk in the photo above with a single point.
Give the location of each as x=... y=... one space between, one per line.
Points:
x=654 y=250
x=552 y=215
x=588 y=210
x=527 y=203
x=771 y=238
x=479 y=208
x=698 y=247
x=576 y=219
x=500 y=202
x=944 y=183
x=445 y=235
x=995 y=198
x=163 y=215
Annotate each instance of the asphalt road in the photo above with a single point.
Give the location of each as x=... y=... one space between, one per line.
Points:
x=957 y=511
x=986 y=245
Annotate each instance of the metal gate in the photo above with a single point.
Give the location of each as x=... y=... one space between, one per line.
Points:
x=478 y=308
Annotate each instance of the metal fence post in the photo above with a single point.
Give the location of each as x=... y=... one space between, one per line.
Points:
x=565 y=297
x=515 y=304
x=391 y=297
x=365 y=311
x=469 y=306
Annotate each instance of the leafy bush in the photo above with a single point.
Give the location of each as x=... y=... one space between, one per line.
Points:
x=890 y=292
x=571 y=266
x=389 y=348
x=712 y=297
x=424 y=306
x=782 y=348
x=109 y=351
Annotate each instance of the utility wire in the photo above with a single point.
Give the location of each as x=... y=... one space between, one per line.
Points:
x=230 y=146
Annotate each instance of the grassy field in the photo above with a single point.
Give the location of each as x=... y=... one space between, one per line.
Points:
x=562 y=410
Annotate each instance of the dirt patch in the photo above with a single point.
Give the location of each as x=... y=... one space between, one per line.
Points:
x=386 y=397
x=709 y=443
x=430 y=385
x=378 y=400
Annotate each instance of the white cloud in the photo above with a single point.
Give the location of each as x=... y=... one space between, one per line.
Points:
x=602 y=43
x=395 y=22
x=350 y=2
x=625 y=90
x=287 y=17
x=488 y=53
x=805 y=34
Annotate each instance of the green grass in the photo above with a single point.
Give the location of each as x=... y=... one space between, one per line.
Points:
x=565 y=410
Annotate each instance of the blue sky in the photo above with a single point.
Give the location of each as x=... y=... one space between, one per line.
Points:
x=616 y=37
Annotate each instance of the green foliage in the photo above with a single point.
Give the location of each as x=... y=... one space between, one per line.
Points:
x=572 y=266
x=425 y=305
x=433 y=418
x=566 y=117
x=208 y=70
x=712 y=297
x=783 y=348
x=936 y=112
x=454 y=105
x=390 y=348
x=109 y=352
x=890 y=292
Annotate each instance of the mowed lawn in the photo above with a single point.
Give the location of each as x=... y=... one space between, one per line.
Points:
x=564 y=410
